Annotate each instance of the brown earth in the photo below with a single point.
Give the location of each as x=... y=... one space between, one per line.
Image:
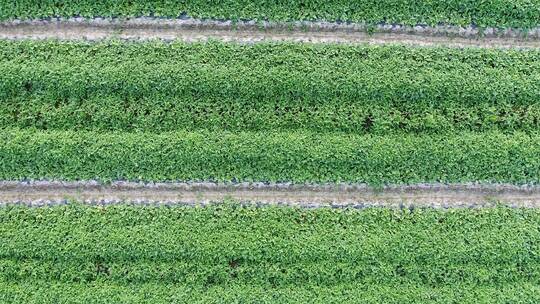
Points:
x=339 y=195
x=191 y=30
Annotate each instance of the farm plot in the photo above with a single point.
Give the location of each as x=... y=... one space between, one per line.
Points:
x=268 y=113
x=302 y=115
x=231 y=253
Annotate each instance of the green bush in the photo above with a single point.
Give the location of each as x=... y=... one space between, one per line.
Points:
x=497 y=13
x=270 y=156
x=115 y=86
x=228 y=253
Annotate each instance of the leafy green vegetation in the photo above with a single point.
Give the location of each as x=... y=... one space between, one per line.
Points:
x=42 y=292
x=119 y=86
x=498 y=13
x=265 y=156
x=268 y=112
x=228 y=253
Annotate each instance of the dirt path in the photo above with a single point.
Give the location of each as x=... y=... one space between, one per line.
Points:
x=439 y=196
x=249 y=32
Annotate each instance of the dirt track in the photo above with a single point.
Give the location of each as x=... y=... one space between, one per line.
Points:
x=249 y=32
x=438 y=196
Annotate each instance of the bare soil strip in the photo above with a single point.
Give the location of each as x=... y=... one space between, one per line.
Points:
x=337 y=195
x=193 y=30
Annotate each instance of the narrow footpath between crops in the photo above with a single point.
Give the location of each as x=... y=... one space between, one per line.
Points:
x=192 y=30
x=40 y=193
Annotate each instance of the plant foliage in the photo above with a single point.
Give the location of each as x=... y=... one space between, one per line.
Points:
x=116 y=86
x=227 y=253
x=270 y=156
x=495 y=13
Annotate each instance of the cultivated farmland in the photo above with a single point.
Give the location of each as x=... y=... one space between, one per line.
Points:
x=225 y=254
x=270 y=151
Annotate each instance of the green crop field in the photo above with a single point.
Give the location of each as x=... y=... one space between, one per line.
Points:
x=497 y=13
x=269 y=156
x=268 y=112
x=227 y=253
x=307 y=114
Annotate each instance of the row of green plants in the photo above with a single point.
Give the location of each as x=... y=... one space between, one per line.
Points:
x=41 y=292
x=269 y=156
x=227 y=251
x=499 y=13
x=174 y=114
x=122 y=86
